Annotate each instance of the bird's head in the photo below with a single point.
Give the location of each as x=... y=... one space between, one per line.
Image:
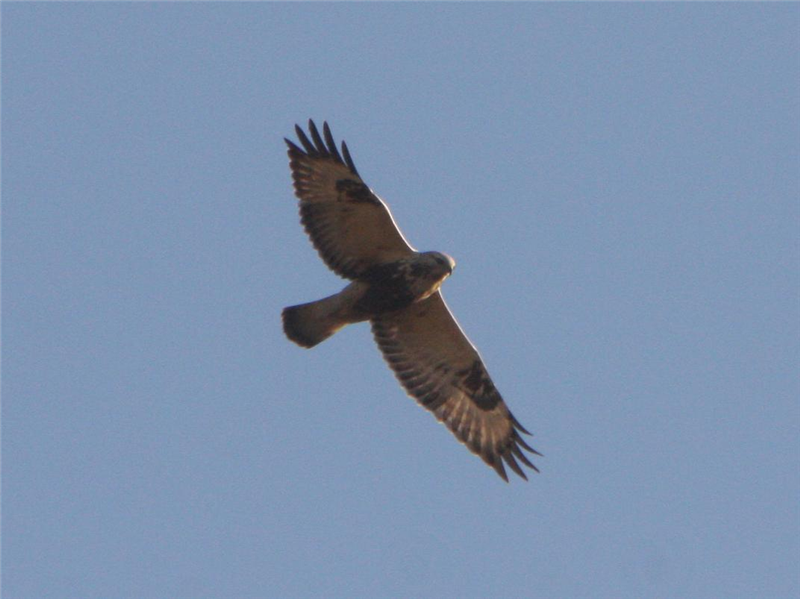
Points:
x=426 y=272
x=440 y=263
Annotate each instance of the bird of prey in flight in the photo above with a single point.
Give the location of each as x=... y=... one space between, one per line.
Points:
x=395 y=288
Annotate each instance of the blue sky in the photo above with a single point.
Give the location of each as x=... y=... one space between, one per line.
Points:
x=619 y=185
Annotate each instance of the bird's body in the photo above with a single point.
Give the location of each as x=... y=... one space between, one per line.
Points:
x=396 y=288
x=383 y=288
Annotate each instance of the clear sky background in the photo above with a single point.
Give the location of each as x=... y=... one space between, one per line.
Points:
x=620 y=187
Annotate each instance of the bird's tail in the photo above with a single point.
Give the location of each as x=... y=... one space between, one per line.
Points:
x=312 y=323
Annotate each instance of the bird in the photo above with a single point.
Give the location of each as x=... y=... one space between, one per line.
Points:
x=397 y=289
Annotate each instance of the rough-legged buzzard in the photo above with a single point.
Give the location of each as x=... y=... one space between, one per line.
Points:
x=396 y=288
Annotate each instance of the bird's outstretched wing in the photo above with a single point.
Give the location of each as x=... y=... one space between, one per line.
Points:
x=349 y=225
x=442 y=370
